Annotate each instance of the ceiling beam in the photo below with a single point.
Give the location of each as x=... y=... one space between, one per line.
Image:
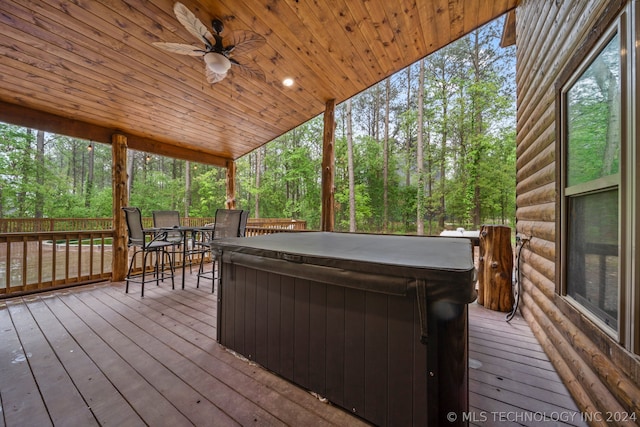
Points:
x=34 y=119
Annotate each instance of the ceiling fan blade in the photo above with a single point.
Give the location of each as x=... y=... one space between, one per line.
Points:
x=247 y=70
x=240 y=42
x=182 y=49
x=192 y=24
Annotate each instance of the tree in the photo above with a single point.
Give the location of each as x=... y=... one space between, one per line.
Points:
x=440 y=70
x=385 y=153
x=187 y=188
x=258 y=174
x=40 y=168
x=90 y=176
x=420 y=156
x=352 y=196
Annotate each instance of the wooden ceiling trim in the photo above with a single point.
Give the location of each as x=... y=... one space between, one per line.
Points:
x=297 y=101
x=156 y=16
x=500 y=8
x=34 y=119
x=367 y=28
x=168 y=150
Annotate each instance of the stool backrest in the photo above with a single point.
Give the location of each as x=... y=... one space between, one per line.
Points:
x=229 y=223
x=134 y=226
x=168 y=219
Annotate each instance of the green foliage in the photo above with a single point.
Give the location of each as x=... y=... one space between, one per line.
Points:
x=364 y=212
x=210 y=188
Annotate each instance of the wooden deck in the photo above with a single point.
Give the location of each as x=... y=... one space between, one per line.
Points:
x=94 y=355
x=511 y=380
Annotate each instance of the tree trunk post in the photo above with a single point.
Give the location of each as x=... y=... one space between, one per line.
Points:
x=328 y=167
x=495 y=268
x=230 y=203
x=120 y=256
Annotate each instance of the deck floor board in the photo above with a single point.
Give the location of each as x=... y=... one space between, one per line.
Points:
x=93 y=355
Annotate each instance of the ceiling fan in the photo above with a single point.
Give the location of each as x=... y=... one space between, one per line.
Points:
x=221 y=54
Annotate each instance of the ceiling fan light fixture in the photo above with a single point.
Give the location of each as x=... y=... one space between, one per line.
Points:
x=217 y=50
x=217 y=63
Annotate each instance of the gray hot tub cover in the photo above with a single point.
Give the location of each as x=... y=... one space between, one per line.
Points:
x=439 y=269
x=379 y=263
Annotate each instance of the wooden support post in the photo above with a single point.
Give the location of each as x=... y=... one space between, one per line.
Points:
x=495 y=268
x=230 y=203
x=328 y=167
x=120 y=258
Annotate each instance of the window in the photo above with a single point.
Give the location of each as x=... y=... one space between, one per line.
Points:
x=592 y=117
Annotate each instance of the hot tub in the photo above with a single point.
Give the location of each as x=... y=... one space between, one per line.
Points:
x=377 y=324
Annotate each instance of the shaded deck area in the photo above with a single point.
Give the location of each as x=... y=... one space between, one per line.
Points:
x=94 y=355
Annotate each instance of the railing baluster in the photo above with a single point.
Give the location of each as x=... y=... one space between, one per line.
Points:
x=79 y=256
x=40 y=258
x=8 y=266
x=24 y=264
x=66 y=259
x=54 y=260
x=91 y=248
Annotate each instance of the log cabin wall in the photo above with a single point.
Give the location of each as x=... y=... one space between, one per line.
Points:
x=601 y=374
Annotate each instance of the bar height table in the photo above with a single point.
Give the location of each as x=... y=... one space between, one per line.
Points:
x=188 y=233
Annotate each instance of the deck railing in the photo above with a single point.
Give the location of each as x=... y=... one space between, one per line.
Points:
x=30 y=225
x=45 y=260
x=43 y=254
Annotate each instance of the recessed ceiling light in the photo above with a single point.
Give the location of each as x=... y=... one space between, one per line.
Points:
x=288 y=82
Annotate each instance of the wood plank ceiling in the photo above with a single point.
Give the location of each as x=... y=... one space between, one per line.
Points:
x=87 y=68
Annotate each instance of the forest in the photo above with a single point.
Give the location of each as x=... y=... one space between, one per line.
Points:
x=430 y=147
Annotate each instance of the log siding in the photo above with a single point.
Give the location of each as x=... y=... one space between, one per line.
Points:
x=599 y=372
